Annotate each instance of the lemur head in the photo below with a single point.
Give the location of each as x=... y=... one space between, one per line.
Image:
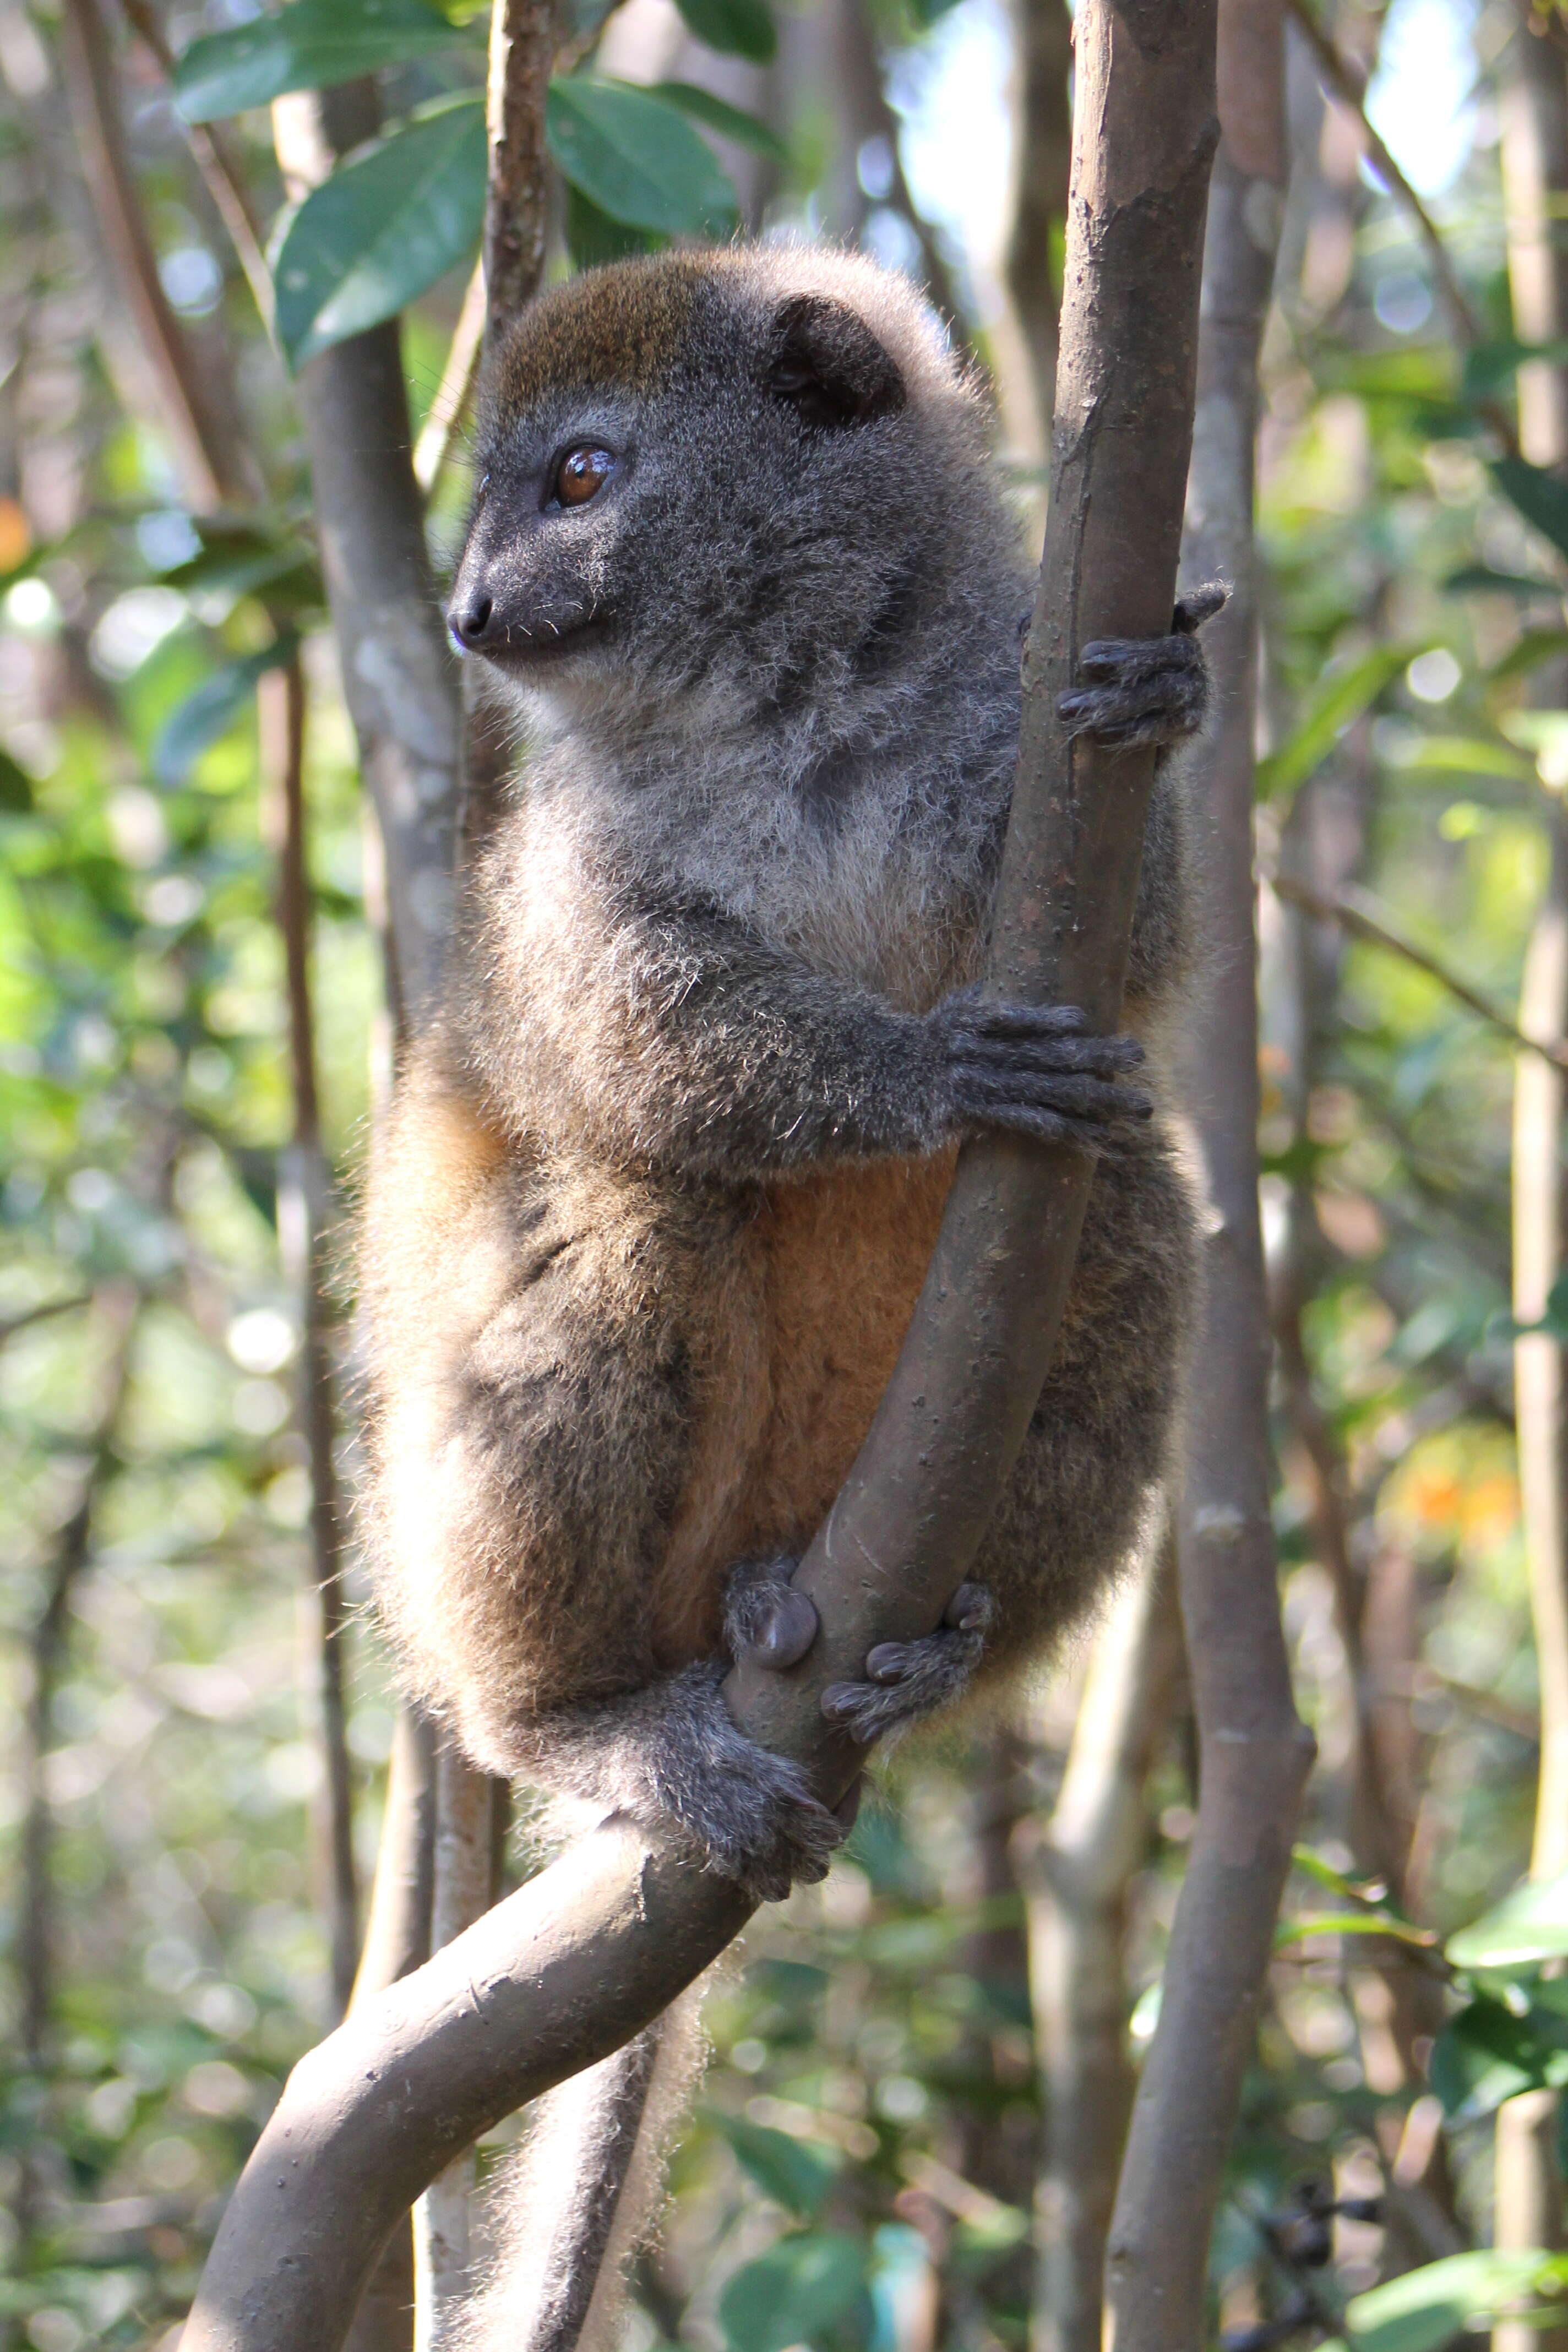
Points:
x=745 y=471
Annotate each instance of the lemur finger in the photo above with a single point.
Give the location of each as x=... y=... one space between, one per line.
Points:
x=1137 y=659
x=980 y=1090
x=1096 y=1058
x=1006 y=1019
x=847 y=1809
x=1198 y=606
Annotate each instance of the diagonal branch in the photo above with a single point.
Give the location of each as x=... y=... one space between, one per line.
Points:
x=1353 y=911
x=1349 y=87
x=568 y=1969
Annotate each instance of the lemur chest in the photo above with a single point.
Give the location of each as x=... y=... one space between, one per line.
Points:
x=814 y=1310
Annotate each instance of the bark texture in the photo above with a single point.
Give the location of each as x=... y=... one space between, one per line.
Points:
x=1076 y=1881
x=1254 y=1752
x=398 y=676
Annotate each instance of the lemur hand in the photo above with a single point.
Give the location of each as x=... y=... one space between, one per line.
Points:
x=1035 y=1070
x=1145 y=689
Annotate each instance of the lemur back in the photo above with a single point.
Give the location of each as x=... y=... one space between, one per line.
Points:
x=662 y=1179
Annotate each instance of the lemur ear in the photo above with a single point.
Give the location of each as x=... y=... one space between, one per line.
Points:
x=830 y=366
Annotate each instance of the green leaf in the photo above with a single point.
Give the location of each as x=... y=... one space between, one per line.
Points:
x=592 y=236
x=926 y=13
x=15 y=788
x=1486 y=2054
x=1341 y=699
x=793 y=2172
x=1479 y=579
x=800 y=2287
x=1554 y=1322
x=1353 y=1923
x=1535 y=647
x=238 y=559
x=1526 y=1927
x=1488 y=365
x=638 y=158
x=717 y=114
x=387 y=225
x=308 y=45
x=1424 y=2309
x=1464 y=755
x=212 y=710
x=1313 y=1866
x=742 y=28
x=1539 y=498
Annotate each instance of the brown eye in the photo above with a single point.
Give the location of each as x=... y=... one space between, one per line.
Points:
x=582 y=473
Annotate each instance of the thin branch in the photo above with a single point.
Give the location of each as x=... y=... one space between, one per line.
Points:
x=1254 y=1754
x=569 y=1969
x=1355 y=912
x=214 y=460
x=1076 y=1873
x=396 y=667
x=454 y=394
x=1349 y=87
x=25 y=1320
x=462 y=1891
x=221 y=171
x=522 y=50
x=116 y=1310
x=304 y=1217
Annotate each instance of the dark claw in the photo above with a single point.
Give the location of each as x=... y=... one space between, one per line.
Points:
x=970 y=1609
x=884 y=1663
x=847 y=1809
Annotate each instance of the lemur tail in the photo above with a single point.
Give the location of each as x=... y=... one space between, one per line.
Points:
x=573 y=2207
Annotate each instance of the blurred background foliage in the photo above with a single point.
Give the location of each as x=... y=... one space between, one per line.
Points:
x=865 y=2167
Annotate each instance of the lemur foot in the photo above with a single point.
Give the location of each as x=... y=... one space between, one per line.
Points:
x=1145 y=689
x=766 y=1618
x=1034 y=1068
x=908 y=1679
x=750 y=1813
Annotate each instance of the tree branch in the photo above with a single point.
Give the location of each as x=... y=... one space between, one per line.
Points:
x=567 y=1969
x=303 y=1221
x=213 y=459
x=1351 y=910
x=397 y=672
x=1254 y=1753
x=116 y=1310
x=1077 y=1872
x=221 y=171
x=522 y=50
x=1348 y=87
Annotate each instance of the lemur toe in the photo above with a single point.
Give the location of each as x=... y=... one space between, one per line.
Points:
x=905 y=1680
x=765 y=1617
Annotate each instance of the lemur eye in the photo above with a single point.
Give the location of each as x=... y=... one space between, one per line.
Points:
x=583 y=473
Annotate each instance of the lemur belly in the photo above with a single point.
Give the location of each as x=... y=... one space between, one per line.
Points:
x=800 y=1339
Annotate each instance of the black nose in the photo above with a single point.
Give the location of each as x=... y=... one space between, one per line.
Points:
x=472 y=625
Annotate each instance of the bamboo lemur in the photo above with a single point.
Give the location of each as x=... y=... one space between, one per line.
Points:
x=662 y=1180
